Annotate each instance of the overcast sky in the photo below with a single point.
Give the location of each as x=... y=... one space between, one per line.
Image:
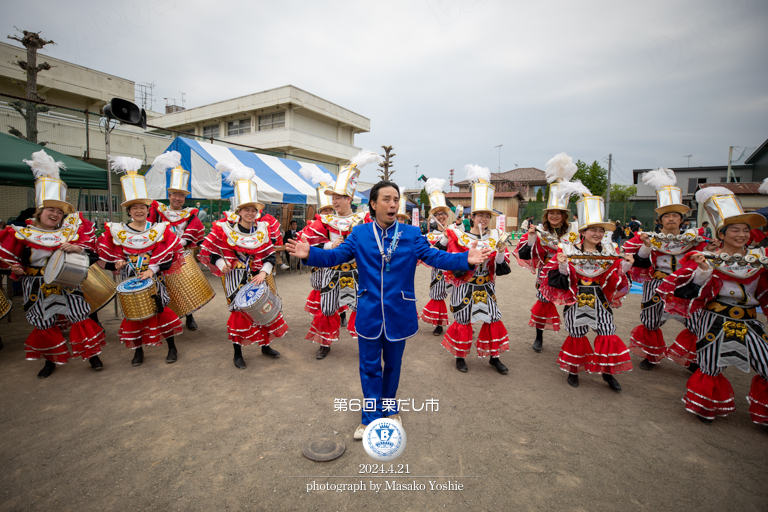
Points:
x=446 y=81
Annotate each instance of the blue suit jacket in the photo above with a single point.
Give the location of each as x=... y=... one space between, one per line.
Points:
x=386 y=301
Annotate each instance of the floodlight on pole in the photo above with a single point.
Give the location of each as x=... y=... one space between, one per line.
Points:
x=499 y=146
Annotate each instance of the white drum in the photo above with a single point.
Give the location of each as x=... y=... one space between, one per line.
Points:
x=258 y=302
x=68 y=269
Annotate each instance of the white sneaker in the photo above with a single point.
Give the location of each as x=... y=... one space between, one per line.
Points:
x=359 y=432
x=395 y=417
x=284 y=266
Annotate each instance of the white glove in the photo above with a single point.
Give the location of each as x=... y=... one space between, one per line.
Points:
x=700 y=277
x=221 y=263
x=644 y=252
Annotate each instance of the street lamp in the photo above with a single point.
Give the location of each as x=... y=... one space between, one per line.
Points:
x=499 y=146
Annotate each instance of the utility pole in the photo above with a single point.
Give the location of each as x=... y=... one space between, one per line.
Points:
x=499 y=146
x=730 y=171
x=451 y=181
x=416 y=183
x=608 y=191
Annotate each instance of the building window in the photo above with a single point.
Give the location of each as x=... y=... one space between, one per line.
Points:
x=189 y=131
x=238 y=127
x=736 y=179
x=211 y=132
x=693 y=184
x=271 y=121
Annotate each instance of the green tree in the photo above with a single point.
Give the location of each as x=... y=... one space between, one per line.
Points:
x=620 y=200
x=424 y=197
x=540 y=195
x=594 y=177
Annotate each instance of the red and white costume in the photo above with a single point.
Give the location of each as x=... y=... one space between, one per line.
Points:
x=473 y=298
x=248 y=253
x=45 y=305
x=184 y=223
x=338 y=285
x=156 y=248
x=435 y=311
x=588 y=289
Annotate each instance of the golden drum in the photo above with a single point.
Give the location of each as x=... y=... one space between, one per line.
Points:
x=5 y=305
x=98 y=288
x=270 y=280
x=188 y=288
x=136 y=298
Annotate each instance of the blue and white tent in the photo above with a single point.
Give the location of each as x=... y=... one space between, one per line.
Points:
x=278 y=179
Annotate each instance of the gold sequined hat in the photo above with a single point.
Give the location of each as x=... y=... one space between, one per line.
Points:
x=170 y=162
x=133 y=184
x=482 y=190
x=402 y=211
x=434 y=189
x=724 y=209
x=589 y=208
x=246 y=191
x=322 y=181
x=669 y=198
x=50 y=190
x=559 y=169
x=346 y=183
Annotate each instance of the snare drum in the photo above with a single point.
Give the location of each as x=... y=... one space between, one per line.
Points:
x=259 y=303
x=67 y=269
x=136 y=298
x=98 y=288
x=188 y=288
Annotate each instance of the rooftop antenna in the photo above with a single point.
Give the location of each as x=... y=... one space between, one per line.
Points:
x=689 y=159
x=183 y=101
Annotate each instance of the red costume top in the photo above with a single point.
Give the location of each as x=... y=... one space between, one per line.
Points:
x=184 y=222
x=544 y=248
x=459 y=241
x=237 y=248
x=157 y=241
x=327 y=228
x=665 y=254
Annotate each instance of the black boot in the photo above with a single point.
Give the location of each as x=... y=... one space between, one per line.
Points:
x=461 y=365
x=191 y=324
x=573 y=379
x=645 y=364
x=1 y=343
x=539 y=340
x=239 y=361
x=172 y=354
x=704 y=420
x=496 y=363
x=438 y=331
x=612 y=382
x=693 y=367
x=47 y=370
x=95 y=317
x=269 y=351
x=343 y=317
x=96 y=363
x=138 y=357
x=322 y=352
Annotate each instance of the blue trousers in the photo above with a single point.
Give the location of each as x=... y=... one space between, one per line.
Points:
x=378 y=384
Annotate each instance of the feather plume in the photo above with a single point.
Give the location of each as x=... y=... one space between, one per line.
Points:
x=121 y=164
x=476 y=173
x=763 y=189
x=434 y=185
x=43 y=164
x=659 y=178
x=703 y=195
x=235 y=173
x=560 y=168
x=573 y=188
x=364 y=158
x=316 y=176
x=168 y=160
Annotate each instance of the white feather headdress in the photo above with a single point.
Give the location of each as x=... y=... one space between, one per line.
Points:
x=703 y=195
x=235 y=173
x=43 y=164
x=476 y=173
x=659 y=178
x=434 y=185
x=573 y=188
x=560 y=168
x=364 y=158
x=121 y=164
x=763 y=189
x=316 y=176
x=168 y=160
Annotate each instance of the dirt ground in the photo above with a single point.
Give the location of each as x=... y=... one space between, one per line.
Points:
x=203 y=435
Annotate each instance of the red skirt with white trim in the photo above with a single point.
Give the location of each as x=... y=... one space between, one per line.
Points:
x=709 y=396
x=151 y=331
x=758 y=400
x=324 y=329
x=611 y=356
x=648 y=344
x=544 y=315
x=47 y=343
x=435 y=312
x=242 y=330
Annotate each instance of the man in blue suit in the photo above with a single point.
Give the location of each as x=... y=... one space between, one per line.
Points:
x=386 y=253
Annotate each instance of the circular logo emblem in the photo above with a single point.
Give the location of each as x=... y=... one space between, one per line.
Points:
x=384 y=439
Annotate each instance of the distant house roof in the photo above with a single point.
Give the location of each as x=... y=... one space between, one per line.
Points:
x=468 y=195
x=723 y=168
x=736 y=188
x=763 y=147
x=523 y=174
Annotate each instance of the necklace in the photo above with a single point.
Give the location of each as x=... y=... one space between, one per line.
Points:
x=392 y=245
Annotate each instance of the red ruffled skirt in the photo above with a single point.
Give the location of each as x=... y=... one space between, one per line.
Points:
x=544 y=315
x=243 y=331
x=325 y=329
x=351 y=324
x=648 y=344
x=709 y=396
x=758 y=400
x=492 y=340
x=611 y=356
x=86 y=338
x=435 y=312
x=576 y=354
x=683 y=350
x=151 y=331
x=313 y=303
x=47 y=343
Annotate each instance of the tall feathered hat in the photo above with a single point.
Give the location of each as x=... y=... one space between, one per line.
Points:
x=560 y=169
x=322 y=181
x=482 y=190
x=723 y=208
x=50 y=191
x=346 y=183
x=669 y=198
x=133 y=183
x=170 y=162
x=589 y=208
x=402 y=211
x=246 y=191
x=434 y=189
